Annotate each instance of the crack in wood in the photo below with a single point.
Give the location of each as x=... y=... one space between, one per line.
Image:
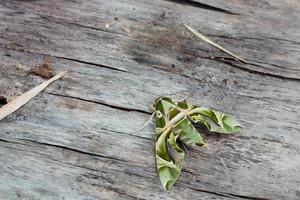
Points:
x=202 y=6
x=230 y=61
x=64 y=58
x=247 y=197
x=274 y=65
x=230 y=195
x=90 y=63
x=212 y=192
x=252 y=38
x=6 y=141
x=102 y=103
x=64 y=22
x=71 y=149
x=99 y=29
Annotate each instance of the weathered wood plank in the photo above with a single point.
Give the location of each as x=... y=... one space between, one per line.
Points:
x=247 y=34
x=93 y=126
x=75 y=141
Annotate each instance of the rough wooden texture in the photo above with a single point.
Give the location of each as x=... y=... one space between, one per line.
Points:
x=75 y=140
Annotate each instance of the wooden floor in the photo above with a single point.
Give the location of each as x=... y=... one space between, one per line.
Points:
x=74 y=141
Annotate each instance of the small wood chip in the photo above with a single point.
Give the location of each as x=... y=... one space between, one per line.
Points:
x=19 y=101
x=207 y=40
x=45 y=70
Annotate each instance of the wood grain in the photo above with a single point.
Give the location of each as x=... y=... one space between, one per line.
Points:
x=76 y=140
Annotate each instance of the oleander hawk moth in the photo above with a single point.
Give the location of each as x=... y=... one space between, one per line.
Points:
x=174 y=126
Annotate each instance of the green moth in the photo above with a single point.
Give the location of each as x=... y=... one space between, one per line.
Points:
x=174 y=126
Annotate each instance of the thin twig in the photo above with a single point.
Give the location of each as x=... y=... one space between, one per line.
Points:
x=207 y=40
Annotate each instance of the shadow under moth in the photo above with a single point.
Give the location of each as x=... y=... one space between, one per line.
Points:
x=174 y=126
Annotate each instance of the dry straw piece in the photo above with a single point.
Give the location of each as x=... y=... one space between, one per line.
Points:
x=21 y=100
x=207 y=40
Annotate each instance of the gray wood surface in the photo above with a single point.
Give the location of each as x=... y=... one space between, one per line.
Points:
x=76 y=140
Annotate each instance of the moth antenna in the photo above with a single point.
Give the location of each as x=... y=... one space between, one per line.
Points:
x=146 y=124
x=184 y=98
x=152 y=107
